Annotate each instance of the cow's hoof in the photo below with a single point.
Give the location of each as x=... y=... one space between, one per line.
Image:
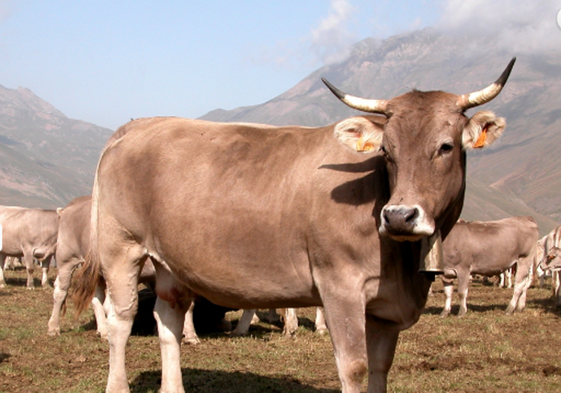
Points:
x=322 y=331
x=191 y=341
x=54 y=333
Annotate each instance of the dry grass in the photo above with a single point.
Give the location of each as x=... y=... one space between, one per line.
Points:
x=483 y=351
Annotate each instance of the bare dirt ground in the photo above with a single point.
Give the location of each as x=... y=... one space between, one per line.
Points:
x=485 y=350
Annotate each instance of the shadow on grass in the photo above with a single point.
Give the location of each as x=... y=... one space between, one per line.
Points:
x=22 y=282
x=4 y=356
x=210 y=381
x=546 y=305
x=471 y=308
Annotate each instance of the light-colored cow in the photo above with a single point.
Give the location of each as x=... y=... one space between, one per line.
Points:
x=253 y=216
x=489 y=248
x=29 y=234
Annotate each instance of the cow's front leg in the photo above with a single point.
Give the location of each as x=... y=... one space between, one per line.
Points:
x=381 y=340
x=345 y=316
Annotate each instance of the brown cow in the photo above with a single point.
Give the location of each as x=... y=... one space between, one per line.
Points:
x=30 y=234
x=253 y=216
x=489 y=248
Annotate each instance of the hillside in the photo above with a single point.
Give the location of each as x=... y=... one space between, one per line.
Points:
x=46 y=159
x=521 y=168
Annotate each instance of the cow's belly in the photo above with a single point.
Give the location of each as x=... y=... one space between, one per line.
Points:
x=256 y=281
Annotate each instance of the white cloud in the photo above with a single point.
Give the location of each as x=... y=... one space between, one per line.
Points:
x=517 y=26
x=331 y=40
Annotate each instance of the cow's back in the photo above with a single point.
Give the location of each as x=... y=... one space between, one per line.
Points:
x=74 y=230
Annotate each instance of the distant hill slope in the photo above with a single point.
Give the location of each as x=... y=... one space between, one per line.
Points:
x=46 y=159
x=522 y=168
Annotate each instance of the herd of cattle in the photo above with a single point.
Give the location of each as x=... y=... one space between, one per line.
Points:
x=355 y=218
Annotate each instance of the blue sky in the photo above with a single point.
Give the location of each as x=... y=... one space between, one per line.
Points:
x=107 y=61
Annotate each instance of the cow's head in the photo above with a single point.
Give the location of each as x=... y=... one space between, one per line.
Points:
x=424 y=142
x=551 y=260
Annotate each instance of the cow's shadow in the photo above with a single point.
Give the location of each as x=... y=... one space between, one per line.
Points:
x=198 y=380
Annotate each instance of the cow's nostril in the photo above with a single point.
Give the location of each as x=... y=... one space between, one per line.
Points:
x=411 y=215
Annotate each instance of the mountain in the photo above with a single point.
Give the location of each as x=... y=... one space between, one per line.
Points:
x=46 y=159
x=519 y=175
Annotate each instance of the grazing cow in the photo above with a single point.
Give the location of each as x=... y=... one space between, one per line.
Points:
x=549 y=261
x=29 y=234
x=489 y=248
x=289 y=317
x=254 y=216
x=73 y=247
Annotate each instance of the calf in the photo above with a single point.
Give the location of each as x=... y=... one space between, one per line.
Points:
x=29 y=234
x=489 y=248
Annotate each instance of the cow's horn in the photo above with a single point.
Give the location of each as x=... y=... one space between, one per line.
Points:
x=481 y=97
x=362 y=104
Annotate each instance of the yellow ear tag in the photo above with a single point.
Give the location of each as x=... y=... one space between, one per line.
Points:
x=481 y=140
x=361 y=145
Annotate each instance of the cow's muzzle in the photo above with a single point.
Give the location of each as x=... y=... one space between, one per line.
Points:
x=405 y=223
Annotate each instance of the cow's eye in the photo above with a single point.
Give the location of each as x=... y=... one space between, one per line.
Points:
x=445 y=148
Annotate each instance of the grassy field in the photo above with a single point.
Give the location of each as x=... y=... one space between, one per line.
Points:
x=483 y=351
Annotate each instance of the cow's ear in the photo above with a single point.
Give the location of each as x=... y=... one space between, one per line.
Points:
x=482 y=130
x=360 y=134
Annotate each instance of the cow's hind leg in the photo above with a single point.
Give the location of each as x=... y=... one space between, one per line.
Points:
x=321 y=327
x=101 y=308
x=45 y=264
x=290 y=322
x=448 y=292
x=171 y=305
x=463 y=286
x=62 y=284
x=242 y=328
x=189 y=332
x=522 y=281
x=121 y=267
x=30 y=268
